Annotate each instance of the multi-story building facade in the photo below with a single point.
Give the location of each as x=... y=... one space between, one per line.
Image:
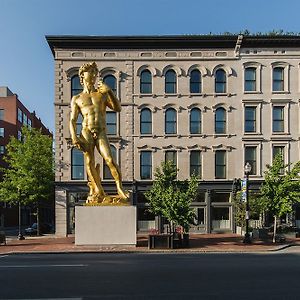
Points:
x=13 y=116
x=209 y=103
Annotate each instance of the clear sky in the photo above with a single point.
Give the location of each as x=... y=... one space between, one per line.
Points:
x=26 y=62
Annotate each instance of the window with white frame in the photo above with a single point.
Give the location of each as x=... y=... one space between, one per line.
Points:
x=220 y=120
x=170 y=121
x=251 y=158
x=195 y=121
x=250 y=119
x=20 y=115
x=195 y=82
x=278 y=79
x=220 y=81
x=146 y=121
x=278 y=119
x=146 y=164
x=195 y=163
x=250 y=79
x=170 y=82
x=146 y=82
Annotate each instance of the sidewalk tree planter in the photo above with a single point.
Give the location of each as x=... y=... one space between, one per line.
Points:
x=281 y=189
x=171 y=198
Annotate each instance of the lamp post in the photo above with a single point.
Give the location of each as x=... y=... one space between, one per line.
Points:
x=20 y=236
x=247 y=170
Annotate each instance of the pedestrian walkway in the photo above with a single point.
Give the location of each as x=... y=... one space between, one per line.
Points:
x=198 y=243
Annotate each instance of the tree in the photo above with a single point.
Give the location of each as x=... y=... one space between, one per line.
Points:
x=172 y=198
x=29 y=177
x=281 y=189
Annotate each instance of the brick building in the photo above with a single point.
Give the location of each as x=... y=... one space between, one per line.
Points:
x=14 y=115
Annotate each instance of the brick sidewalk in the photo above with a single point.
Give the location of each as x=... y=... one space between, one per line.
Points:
x=198 y=243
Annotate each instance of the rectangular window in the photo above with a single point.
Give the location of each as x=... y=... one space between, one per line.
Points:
x=2 y=149
x=195 y=163
x=1 y=114
x=220 y=164
x=111 y=122
x=278 y=119
x=20 y=115
x=146 y=165
x=19 y=135
x=25 y=119
x=250 y=157
x=171 y=156
x=279 y=150
x=278 y=79
x=1 y=132
x=250 y=119
x=250 y=79
x=29 y=123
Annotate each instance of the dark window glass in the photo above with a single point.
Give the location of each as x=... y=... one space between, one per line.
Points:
x=170 y=82
x=250 y=157
x=250 y=79
x=195 y=82
x=1 y=114
x=111 y=123
x=250 y=119
x=20 y=115
x=170 y=121
x=77 y=169
x=220 y=164
x=146 y=121
x=195 y=121
x=146 y=165
x=171 y=156
x=106 y=170
x=25 y=119
x=278 y=119
x=76 y=87
x=111 y=81
x=220 y=120
x=79 y=124
x=278 y=79
x=220 y=81
x=1 y=132
x=2 y=149
x=146 y=82
x=195 y=163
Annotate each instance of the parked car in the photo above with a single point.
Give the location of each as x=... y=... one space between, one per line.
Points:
x=44 y=228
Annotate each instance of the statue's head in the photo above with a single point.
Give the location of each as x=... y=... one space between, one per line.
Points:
x=90 y=68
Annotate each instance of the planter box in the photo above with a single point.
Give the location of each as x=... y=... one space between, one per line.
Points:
x=168 y=241
x=160 y=241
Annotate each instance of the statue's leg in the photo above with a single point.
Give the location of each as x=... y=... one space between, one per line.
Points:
x=104 y=149
x=92 y=170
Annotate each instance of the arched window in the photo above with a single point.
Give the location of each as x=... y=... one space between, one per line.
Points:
x=76 y=87
x=278 y=79
x=170 y=121
x=250 y=79
x=170 y=82
x=220 y=81
x=111 y=81
x=195 y=121
x=106 y=170
x=77 y=164
x=220 y=120
x=195 y=82
x=146 y=121
x=146 y=82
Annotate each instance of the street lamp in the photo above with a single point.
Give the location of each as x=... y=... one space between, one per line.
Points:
x=247 y=170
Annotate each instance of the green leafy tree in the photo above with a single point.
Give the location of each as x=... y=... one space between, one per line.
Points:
x=172 y=198
x=281 y=189
x=30 y=175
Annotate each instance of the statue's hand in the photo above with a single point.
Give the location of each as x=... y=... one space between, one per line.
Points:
x=77 y=143
x=103 y=88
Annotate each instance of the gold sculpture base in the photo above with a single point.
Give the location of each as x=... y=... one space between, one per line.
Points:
x=108 y=200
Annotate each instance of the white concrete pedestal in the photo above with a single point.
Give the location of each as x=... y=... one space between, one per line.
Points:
x=105 y=225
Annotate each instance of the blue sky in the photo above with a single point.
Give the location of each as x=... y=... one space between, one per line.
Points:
x=26 y=62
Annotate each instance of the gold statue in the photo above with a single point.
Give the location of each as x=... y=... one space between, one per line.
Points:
x=92 y=103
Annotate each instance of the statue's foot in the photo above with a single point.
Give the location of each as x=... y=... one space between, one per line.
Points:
x=123 y=194
x=95 y=198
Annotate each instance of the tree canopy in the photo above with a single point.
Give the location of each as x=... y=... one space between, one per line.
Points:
x=30 y=174
x=172 y=198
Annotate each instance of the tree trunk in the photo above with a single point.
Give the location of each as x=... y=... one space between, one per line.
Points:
x=275 y=228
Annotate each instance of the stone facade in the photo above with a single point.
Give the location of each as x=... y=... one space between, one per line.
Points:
x=270 y=90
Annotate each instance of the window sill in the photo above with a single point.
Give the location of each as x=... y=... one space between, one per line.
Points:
x=280 y=92
x=252 y=92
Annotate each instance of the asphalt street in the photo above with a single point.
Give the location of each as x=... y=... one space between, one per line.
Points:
x=150 y=276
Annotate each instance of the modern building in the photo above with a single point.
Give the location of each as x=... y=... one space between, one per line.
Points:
x=13 y=116
x=209 y=103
